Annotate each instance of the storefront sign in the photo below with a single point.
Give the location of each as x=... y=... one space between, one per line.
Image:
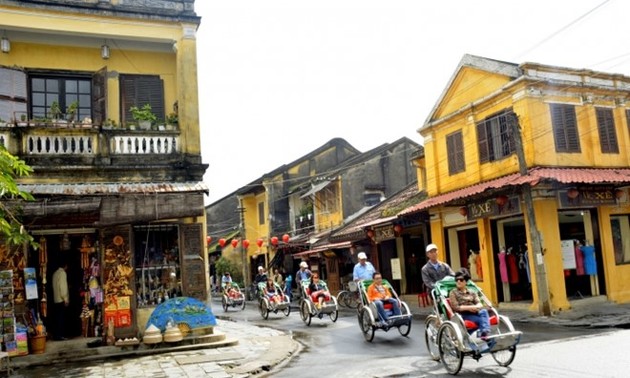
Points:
x=492 y=207
x=396 y=271
x=384 y=233
x=586 y=197
x=568 y=254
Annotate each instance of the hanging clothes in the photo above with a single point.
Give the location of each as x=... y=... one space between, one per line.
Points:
x=590 y=266
x=512 y=268
x=503 y=267
x=472 y=262
x=579 y=261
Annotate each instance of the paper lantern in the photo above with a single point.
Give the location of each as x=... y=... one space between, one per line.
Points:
x=502 y=200
x=222 y=242
x=245 y=243
x=208 y=240
x=370 y=234
x=619 y=193
x=463 y=211
x=259 y=243
x=573 y=193
x=234 y=243
x=398 y=229
x=274 y=241
x=285 y=238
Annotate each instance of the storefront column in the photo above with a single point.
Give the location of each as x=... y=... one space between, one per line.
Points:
x=437 y=236
x=546 y=213
x=488 y=283
x=616 y=276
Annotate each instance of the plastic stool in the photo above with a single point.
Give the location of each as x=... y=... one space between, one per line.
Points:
x=423 y=299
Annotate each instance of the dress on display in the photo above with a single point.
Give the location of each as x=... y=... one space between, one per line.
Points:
x=512 y=268
x=503 y=267
x=579 y=261
x=590 y=266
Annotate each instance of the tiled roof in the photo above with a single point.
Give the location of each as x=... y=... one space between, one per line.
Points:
x=114 y=188
x=535 y=175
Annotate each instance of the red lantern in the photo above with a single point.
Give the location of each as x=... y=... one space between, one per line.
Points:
x=234 y=243
x=619 y=193
x=222 y=242
x=274 y=241
x=245 y=243
x=463 y=211
x=502 y=200
x=398 y=229
x=259 y=243
x=285 y=238
x=370 y=234
x=573 y=193
x=208 y=240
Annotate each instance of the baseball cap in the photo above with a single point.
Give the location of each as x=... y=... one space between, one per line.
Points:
x=260 y=268
x=431 y=246
x=303 y=264
x=362 y=256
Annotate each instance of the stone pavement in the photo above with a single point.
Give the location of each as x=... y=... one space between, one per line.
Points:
x=260 y=349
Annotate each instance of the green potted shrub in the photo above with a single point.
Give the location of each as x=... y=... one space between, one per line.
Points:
x=71 y=111
x=144 y=116
x=171 y=121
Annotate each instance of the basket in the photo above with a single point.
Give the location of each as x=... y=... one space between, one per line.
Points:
x=38 y=344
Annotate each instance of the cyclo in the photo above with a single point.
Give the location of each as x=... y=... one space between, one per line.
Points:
x=308 y=309
x=266 y=306
x=368 y=314
x=232 y=296
x=449 y=337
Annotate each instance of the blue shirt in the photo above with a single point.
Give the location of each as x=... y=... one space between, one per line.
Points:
x=362 y=272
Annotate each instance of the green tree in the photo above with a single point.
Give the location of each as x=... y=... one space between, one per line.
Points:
x=223 y=265
x=11 y=228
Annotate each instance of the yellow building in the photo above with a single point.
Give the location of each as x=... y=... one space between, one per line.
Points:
x=120 y=199
x=575 y=132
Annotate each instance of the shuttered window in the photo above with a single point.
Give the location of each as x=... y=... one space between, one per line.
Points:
x=455 y=151
x=138 y=90
x=494 y=136
x=12 y=94
x=564 y=124
x=607 y=133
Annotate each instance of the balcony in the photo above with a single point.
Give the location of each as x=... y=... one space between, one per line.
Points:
x=304 y=224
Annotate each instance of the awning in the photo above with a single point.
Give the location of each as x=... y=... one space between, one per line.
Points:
x=114 y=188
x=379 y=221
x=324 y=247
x=316 y=188
x=535 y=175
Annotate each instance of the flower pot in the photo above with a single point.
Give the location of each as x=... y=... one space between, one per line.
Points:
x=144 y=125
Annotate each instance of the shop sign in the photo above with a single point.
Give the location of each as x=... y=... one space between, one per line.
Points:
x=586 y=197
x=491 y=208
x=384 y=233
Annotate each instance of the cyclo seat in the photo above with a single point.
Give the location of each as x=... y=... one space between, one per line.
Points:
x=442 y=290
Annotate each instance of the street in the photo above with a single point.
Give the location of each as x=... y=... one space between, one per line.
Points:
x=339 y=349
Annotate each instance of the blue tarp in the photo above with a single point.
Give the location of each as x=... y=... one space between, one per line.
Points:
x=182 y=310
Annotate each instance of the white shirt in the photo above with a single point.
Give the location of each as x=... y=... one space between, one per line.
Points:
x=60 y=286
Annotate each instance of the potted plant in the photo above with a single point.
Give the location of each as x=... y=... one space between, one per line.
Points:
x=23 y=120
x=144 y=116
x=55 y=110
x=109 y=124
x=171 y=121
x=71 y=111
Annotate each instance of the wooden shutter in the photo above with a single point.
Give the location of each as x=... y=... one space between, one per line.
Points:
x=482 y=141
x=138 y=90
x=12 y=93
x=99 y=96
x=455 y=153
x=564 y=123
x=606 y=128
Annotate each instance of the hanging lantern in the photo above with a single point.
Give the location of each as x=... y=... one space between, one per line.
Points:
x=502 y=200
x=619 y=193
x=274 y=241
x=245 y=243
x=370 y=234
x=285 y=238
x=573 y=193
x=398 y=229
x=208 y=240
x=222 y=242
x=259 y=243
x=234 y=243
x=463 y=211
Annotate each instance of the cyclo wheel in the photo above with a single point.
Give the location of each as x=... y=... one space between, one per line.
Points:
x=224 y=303
x=450 y=354
x=287 y=310
x=506 y=356
x=366 y=324
x=264 y=308
x=405 y=328
x=243 y=304
x=305 y=314
x=335 y=314
x=352 y=300
x=341 y=297
x=430 y=336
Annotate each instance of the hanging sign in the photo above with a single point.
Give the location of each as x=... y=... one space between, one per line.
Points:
x=30 y=283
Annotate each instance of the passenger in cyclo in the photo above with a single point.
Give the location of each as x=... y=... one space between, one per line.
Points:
x=468 y=304
x=319 y=293
x=231 y=291
x=272 y=293
x=380 y=295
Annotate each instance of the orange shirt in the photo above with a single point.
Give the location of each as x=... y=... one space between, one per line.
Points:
x=375 y=292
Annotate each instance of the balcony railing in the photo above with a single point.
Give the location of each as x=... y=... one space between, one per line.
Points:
x=304 y=224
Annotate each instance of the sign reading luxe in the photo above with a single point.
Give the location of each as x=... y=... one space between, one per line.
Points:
x=585 y=197
x=502 y=205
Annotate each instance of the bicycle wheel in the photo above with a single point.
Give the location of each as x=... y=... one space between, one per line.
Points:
x=341 y=297
x=430 y=336
x=450 y=353
x=352 y=300
x=506 y=356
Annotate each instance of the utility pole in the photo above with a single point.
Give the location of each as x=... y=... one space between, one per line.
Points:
x=241 y=231
x=544 y=307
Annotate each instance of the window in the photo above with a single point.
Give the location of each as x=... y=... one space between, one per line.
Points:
x=329 y=198
x=371 y=198
x=65 y=91
x=607 y=133
x=261 y=213
x=564 y=124
x=455 y=151
x=138 y=90
x=620 y=225
x=494 y=136
x=157 y=264
x=628 y=119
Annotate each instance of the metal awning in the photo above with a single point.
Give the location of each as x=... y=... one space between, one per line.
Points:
x=316 y=188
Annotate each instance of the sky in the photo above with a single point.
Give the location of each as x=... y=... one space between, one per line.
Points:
x=279 y=78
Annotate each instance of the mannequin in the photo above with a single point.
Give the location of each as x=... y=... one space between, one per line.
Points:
x=472 y=265
x=590 y=266
x=504 y=275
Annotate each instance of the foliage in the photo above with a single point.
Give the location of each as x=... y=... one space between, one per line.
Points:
x=223 y=265
x=72 y=110
x=55 y=110
x=10 y=226
x=172 y=119
x=143 y=114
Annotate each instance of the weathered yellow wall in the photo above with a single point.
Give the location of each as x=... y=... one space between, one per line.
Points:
x=617 y=282
x=328 y=219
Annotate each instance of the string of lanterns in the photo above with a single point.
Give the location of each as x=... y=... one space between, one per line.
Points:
x=245 y=243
